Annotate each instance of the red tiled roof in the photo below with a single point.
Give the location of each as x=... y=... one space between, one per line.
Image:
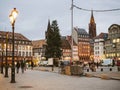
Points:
x=101 y=35
x=65 y=44
x=38 y=43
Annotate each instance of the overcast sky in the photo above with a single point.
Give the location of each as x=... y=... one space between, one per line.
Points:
x=34 y=14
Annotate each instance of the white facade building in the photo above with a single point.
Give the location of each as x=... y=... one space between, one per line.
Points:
x=99 y=53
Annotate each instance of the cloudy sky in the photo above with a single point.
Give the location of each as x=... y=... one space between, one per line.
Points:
x=34 y=14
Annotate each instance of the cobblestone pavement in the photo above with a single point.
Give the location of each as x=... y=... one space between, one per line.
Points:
x=41 y=80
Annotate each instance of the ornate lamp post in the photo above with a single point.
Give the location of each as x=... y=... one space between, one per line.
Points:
x=6 y=61
x=71 y=33
x=2 y=58
x=13 y=16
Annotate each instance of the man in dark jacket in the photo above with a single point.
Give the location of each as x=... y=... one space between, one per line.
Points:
x=18 y=66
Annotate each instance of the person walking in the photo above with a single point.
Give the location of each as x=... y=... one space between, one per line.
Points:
x=22 y=66
x=32 y=65
x=18 y=66
x=97 y=64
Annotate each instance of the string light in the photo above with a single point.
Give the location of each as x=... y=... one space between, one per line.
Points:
x=96 y=10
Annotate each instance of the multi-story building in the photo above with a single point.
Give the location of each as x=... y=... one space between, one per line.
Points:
x=66 y=49
x=81 y=38
x=112 y=44
x=99 y=41
x=22 y=46
x=74 y=49
x=38 y=50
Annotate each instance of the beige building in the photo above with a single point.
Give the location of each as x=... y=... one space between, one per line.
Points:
x=38 y=50
x=112 y=44
x=22 y=47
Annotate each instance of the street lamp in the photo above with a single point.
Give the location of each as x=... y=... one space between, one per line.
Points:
x=2 y=57
x=13 y=16
x=6 y=61
x=71 y=33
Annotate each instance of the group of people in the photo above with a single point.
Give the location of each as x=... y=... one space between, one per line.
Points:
x=93 y=65
x=23 y=66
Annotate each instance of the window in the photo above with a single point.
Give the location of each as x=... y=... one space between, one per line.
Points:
x=19 y=47
x=19 y=53
x=118 y=40
x=30 y=54
x=26 y=47
x=26 y=53
x=23 y=53
x=23 y=48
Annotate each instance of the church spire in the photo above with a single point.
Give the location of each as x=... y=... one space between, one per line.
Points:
x=92 y=26
x=48 y=25
x=92 y=17
x=48 y=29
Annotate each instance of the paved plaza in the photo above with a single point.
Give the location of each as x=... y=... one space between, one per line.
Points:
x=44 y=80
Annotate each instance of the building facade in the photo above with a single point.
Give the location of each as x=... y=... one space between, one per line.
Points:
x=74 y=49
x=112 y=44
x=99 y=42
x=81 y=38
x=38 y=50
x=66 y=49
x=22 y=47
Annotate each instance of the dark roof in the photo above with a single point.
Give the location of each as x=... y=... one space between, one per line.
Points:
x=17 y=36
x=102 y=36
x=113 y=25
x=81 y=31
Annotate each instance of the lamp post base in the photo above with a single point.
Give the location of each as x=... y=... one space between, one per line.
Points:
x=13 y=75
x=6 y=71
x=12 y=81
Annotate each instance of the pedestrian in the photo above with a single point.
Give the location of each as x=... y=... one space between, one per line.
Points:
x=22 y=66
x=18 y=66
x=32 y=65
x=25 y=67
x=92 y=67
x=97 y=64
x=113 y=63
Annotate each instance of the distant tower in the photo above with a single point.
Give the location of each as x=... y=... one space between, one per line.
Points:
x=92 y=26
x=48 y=29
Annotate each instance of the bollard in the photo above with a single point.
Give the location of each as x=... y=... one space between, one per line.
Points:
x=101 y=69
x=110 y=69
